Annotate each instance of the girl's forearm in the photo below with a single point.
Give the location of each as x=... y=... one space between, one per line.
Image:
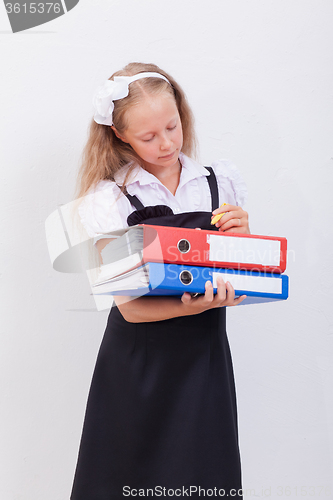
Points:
x=147 y=309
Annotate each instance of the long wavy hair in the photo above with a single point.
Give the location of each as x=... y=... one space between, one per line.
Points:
x=104 y=154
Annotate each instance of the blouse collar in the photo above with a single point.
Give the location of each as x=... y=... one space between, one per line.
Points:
x=191 y=170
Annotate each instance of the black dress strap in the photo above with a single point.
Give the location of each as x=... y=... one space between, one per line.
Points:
x=212 y=182
x=135 y=201
x=214 y=190
x=132 y=199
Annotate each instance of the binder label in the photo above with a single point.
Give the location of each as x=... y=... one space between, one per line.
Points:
x=259 y=284
x=244 y=250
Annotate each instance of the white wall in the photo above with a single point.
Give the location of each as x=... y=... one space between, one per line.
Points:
x=259 y=77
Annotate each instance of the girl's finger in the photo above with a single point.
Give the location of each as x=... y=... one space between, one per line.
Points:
x=230 y=293
x=231 y=216
x=221 y=289
x=226 y=215
x=232 y=223
x=209 y=291
x=225 y=208
x=186 y=298
x=226 y=211
x=239 y=300
x=233 y=230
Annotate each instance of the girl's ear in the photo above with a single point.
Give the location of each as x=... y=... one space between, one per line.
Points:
x=121 y=137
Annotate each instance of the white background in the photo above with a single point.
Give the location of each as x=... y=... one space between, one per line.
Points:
x=258 y=74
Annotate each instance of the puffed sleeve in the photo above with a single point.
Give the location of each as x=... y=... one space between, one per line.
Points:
x=99 y=210
x=232 y=187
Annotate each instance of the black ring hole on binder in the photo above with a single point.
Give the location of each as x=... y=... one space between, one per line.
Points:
x=186 y=277
x=183 y=246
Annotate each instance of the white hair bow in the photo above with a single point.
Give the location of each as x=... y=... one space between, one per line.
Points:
x=112 y=90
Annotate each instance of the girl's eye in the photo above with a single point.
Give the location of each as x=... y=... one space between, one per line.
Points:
x=172 y=128
x=148 y=140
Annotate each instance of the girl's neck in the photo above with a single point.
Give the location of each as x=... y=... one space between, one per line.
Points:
x=168 y=177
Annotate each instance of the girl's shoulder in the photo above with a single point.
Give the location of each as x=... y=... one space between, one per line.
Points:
x=105 y=208
x=100 y=208
x=230 y=180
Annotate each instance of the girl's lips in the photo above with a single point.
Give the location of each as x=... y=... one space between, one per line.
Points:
x=167 y=157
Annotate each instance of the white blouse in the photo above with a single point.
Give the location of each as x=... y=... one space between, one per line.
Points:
x=106 y=209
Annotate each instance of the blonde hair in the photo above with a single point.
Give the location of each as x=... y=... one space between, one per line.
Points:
x=105 y=154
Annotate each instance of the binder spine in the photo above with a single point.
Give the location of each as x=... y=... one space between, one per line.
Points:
x=186 y=246
x=181 y=278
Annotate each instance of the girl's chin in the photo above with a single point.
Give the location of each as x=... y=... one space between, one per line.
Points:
x=163 y=163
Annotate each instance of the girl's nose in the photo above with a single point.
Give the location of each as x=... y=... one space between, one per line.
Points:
x=165 y=142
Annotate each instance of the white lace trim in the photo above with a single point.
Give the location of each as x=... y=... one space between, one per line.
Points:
x=230 y=171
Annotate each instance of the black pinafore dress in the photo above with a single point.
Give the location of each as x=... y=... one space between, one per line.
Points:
x=161 y=411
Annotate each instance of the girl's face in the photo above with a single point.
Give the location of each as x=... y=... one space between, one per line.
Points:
x=155 y=132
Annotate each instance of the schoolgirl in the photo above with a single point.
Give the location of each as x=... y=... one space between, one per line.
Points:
x=161 y=416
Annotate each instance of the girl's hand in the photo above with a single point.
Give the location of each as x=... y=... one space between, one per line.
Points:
x=235 y=219
x=146 y=309
x=225 y=296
